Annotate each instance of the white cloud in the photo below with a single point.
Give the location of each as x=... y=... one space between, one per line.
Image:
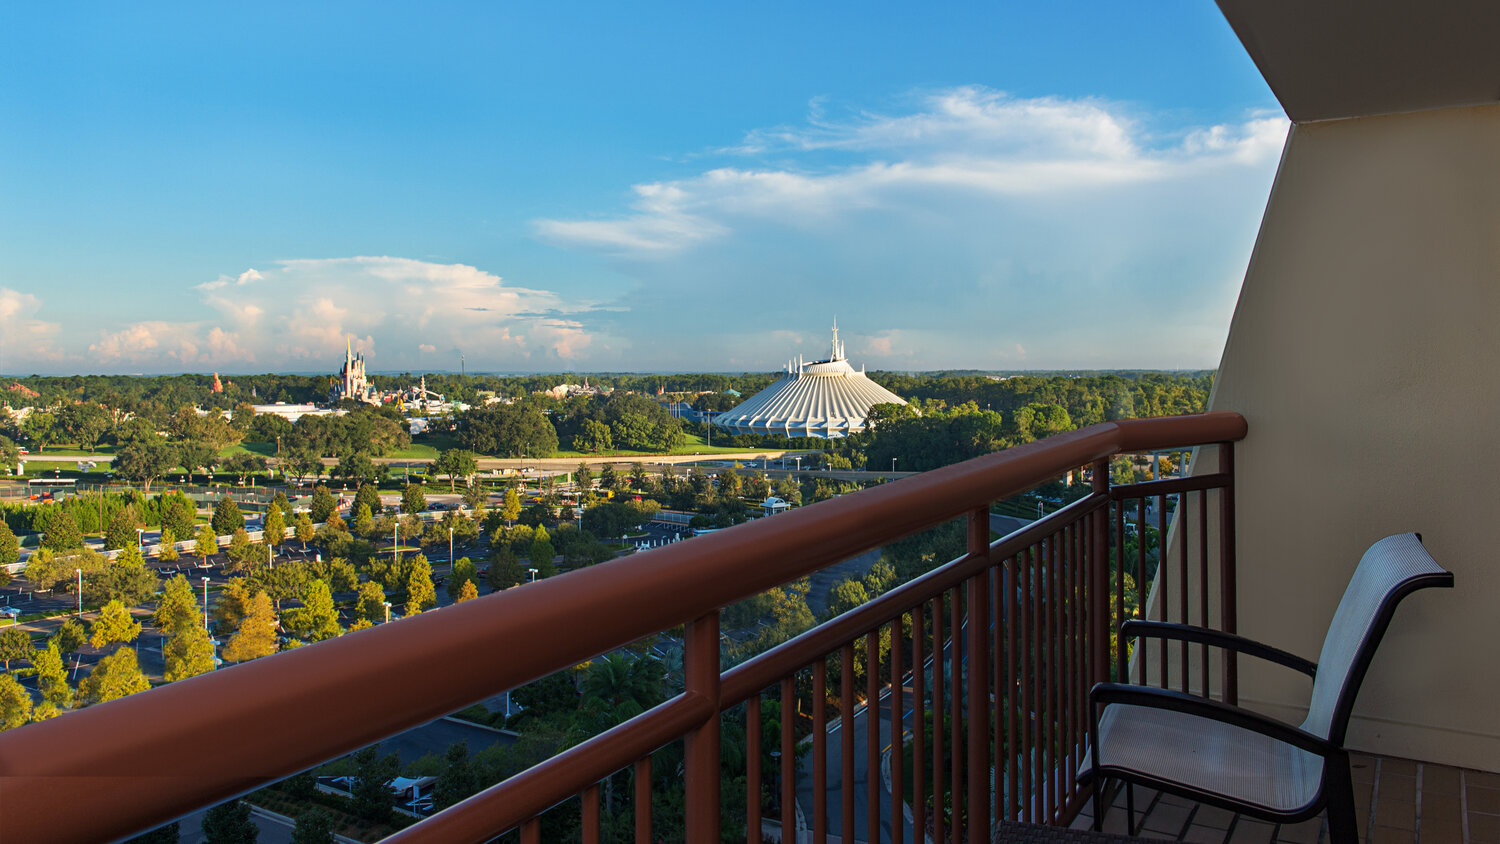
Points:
x=23 y=337
x=300 y=313
x=968 y=141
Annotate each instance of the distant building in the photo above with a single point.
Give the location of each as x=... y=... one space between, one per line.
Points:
x=825 y=398
x=352 y=382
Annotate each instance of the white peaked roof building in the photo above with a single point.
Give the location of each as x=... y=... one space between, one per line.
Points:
x=825 y=398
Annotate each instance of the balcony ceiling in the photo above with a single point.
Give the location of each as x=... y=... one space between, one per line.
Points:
x=1345 y=58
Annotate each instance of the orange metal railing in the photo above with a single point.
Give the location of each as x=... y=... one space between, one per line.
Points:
x=1005 y=640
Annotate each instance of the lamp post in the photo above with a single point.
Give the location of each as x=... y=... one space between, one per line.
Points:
x=80 y=592
x=533 y=575
x=387 y=605
x=138 y=533
x=270 y=557
x=205 y=602
x=450 y=550
x=893 y=465
x=798 y=458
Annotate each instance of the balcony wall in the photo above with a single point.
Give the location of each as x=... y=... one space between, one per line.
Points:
x=1363 y=353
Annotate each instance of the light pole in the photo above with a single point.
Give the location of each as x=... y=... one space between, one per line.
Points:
x=270 y=557
x=893 y=465
x=138 y=533
x=205 y=602
x=450 y=550
x=799 y=463
x=533 y=575
x=387 y=605
x=80 y=592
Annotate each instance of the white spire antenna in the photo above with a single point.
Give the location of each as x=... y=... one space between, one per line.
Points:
x=838 y=351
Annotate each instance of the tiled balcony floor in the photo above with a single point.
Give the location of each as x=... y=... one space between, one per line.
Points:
x=1397 y=801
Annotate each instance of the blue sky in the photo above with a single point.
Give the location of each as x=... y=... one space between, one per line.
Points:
x=608 y=186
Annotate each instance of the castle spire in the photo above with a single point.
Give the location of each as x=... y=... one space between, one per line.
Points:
x=838 y=350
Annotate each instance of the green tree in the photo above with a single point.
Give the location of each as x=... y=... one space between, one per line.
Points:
x=70 y=636
x=10 y=547
x=15 y=643
x=62 y=533
x=145 y=461
x=229 y=823
x=846 y=595
x=475 y=496
x=364 y=522
x=15 y=703
x=512 y=506
x=505 y=569
x=207 y=543
x=583 y=478
x=593 y=437
x=52 y=676
x=542 y=553
x=323 y=504
x=456 y=463
x=227 y=517
x=114 y=624
x=304 y=529
x=233 y=604
x=458 y=779
x=373 y=798
x=317 y=619
x=168 y=546
x=355 y=466
x=413 y=501
x=178 y=607
x=369 y=496
x=369 y=603
x=240 y=553
x=313 y=827
x=178 y=514
x=188 y=653
x=464 y=571
x=256 y=636
x=114 y=676
x=275 y=525
x=468 y=593
x=608 y=478
x=121 y=531
x=420 y=593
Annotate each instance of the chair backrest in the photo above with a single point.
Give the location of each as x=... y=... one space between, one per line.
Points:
x=1390 y=570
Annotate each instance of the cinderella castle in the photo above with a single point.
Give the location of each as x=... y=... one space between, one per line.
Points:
x=352 y=383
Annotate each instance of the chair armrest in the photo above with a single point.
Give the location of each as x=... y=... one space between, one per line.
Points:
x=1213 y=710
x=1216 y=638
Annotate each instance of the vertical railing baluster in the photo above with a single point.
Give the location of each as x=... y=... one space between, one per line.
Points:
x=1203 y=588
x=846 y=742
x=1140 y=575
x=1184 y=503
x=939 y=801
x=1028 y=700
x=998 y=717
x=590 y=817
x=918 y=727
x=820 y=749
x=752 y=770
x=1228 y=595
x=872 y=730
x=643 y=801
x=1099 y=577
x=979 y=684
x=788 y=759
x=701 y=753
x=1121 y=668
x=1161 y=578
x=956 y=664
x=1054 y=675
x=898 y=732
x=531 y=831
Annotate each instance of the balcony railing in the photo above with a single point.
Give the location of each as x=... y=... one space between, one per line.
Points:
x=998 y=646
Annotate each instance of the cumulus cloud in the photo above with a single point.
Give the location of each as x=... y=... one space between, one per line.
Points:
x=24 y=337
x=300 y=313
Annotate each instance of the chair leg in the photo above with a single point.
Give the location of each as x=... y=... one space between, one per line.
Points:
x=1342 y=826
x=1130 y=809
x=1099 y=803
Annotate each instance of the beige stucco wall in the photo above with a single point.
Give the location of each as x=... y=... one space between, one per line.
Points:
x=1365 y=354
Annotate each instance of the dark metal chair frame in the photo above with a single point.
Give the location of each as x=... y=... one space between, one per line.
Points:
x=1335 y=792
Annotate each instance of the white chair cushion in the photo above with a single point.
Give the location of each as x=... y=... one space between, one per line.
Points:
x=1209 y=756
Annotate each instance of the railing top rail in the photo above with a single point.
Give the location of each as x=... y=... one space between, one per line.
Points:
x=149 y=758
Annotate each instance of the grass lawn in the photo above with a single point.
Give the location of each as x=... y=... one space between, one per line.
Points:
x=262 y=449
x=693 y=445
x=416 y=451
x=70 y=450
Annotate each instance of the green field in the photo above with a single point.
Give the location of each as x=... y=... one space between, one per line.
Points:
x=694 y=445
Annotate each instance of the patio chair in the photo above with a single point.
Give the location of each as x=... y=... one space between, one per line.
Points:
x=1225 y=756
